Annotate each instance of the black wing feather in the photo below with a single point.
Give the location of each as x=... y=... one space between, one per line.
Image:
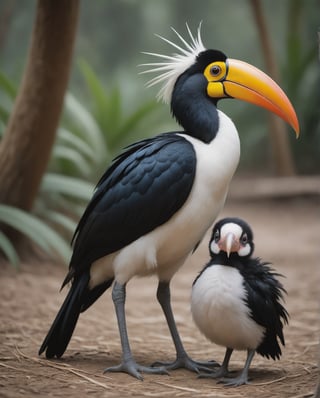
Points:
x=140 y=191
x=265 y=294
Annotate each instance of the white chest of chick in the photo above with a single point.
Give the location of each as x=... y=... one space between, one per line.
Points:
x=220 y=310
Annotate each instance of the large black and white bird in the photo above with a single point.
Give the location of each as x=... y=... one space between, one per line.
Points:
x=236 y=299
x=158 y=198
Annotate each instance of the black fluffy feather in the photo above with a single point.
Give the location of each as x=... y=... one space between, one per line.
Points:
x=264 y=296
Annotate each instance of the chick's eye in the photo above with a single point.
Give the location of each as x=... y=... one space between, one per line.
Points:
x=215 y=70
x=216 y=236
x=244 y=239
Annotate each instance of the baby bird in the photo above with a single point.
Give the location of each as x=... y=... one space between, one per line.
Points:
x=236 y=299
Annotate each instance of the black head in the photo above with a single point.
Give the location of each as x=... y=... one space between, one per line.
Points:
x=232 y=236
x=194 y=80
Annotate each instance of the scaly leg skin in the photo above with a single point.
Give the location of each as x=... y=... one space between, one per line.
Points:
x=182 y=360
x=128 y=364
x=243 y=377
x=222 y=371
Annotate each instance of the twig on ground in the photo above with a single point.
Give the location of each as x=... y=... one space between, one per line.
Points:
x=276 y=380
x=177 y=387
x=304 y=395
x=4 y=365
x=64 y=368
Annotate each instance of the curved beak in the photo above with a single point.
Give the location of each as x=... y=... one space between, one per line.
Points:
x=246 y=82
x=229 y=244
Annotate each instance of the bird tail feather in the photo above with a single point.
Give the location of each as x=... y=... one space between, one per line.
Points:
x=59 y=335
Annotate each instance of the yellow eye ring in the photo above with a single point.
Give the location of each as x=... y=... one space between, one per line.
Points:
x=216 y=71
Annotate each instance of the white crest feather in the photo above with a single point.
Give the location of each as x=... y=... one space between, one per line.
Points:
x=172 y=66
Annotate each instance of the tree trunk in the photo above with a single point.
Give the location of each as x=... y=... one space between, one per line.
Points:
x=280 y=145
x=26 y=146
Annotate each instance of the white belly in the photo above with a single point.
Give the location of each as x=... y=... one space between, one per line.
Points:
x=219 y=310
x=165 y=249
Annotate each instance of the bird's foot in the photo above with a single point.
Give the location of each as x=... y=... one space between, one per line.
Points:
x=234 y=382
x=222 y=372
x=185 y=362
x=132 y=368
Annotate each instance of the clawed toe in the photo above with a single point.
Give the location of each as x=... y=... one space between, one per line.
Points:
x=185 y=362
x=214 y=375
x=134 y=369
x=234 y=382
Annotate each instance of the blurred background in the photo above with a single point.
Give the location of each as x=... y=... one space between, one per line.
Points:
x=107 y=105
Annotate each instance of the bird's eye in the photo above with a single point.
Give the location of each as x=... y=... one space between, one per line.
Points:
x=215 y=70
x=244 y=239
x=216 y=236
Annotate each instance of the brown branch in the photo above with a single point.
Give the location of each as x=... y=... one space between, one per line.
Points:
x=282 y=156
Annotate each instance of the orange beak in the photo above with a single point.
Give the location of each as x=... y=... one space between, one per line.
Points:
x=246 y=82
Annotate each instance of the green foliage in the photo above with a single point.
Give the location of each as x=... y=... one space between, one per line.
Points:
x=86 y=141
x=7 y=86
x=35 y=229
x=117 y=125
x=8 y=249
x=8 y=92
x=80 y=145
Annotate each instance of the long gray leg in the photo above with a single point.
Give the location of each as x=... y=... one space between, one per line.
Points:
x=243 y=377
x=182 y=360
x=222 y=371
x=128 y=364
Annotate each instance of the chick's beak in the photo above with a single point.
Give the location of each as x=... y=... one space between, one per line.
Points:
x=246 y=82
x=229 y=244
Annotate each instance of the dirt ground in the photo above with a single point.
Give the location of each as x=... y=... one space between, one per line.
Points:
x=287 y=234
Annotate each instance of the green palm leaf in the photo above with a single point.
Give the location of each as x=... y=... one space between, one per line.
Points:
x=69 y=186
x=8 y=250
x=36 y=230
